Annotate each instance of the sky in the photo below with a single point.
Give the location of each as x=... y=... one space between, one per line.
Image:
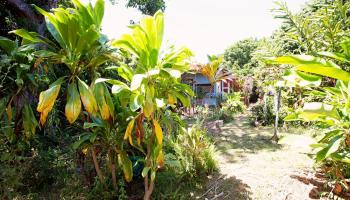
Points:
x=204 y=26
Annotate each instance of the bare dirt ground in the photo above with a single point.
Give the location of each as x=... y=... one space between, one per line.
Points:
x=253 y=167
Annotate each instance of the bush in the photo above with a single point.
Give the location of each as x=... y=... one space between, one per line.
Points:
x=232 y=106
x=233 y=103
x=265 y=114
x=203 y=114
x=195 y=152
x=229 y=108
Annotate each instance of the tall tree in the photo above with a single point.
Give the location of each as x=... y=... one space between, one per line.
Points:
x=147 y=7
x=239 y=56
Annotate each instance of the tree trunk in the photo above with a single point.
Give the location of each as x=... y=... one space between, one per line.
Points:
x=112 y=168
x=275 y=136
x=97 y=166
x=148 y=189
x=28 y=12
x=149 y=184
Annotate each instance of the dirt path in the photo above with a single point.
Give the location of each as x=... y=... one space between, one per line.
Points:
x=253 y=167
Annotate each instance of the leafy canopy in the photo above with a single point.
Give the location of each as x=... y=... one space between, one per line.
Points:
x=239 y=56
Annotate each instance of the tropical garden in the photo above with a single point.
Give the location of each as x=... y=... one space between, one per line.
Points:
x=83 y=116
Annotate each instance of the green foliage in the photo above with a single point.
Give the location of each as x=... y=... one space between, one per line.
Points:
x=151 y=87
x=147 y=7
x=211 y=69
x=195 y=152
x=81 y=49
x=333 y=111
x=233 y=103
x=264 y=112
x=239 y=56
x=87 y=155
x=319 y=27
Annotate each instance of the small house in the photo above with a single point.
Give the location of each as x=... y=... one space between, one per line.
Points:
x=206 y=94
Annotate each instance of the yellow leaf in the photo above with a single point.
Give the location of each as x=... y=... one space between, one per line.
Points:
x=158 y=131
x=160 y=159
x=148 y=108
x=100 y=96
x=43 y=116
x=73 y=106
x=85 y=151
x=104 y=110
x=171 y=99
x=128 y=131
x=126 y=166
x=87 y=98
x=9 y=111
x=47 y=98
x=37 y=62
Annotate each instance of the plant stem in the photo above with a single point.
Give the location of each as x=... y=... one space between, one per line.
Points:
x=149 y=185
x=97 y=166
x=114 y=178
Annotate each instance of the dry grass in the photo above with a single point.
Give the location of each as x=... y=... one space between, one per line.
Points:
x=253 y=167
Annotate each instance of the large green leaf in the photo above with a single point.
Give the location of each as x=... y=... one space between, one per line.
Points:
x=29 y=36
x=332 y=147
x=7 y=45
x=330 y=134
x=29 y=121
x=337 y=56
x=297 y=78
x=104 y=101
x=87 y=98
x=135 y=102
x=342 y=157
x=126 y=164
x=136 y=81
x=326 y=71
x=314 y=65
x=84 y=138
x=316 y=111
x=99 y=12
x=183 y=98
x=117 y=87
x=73 y=105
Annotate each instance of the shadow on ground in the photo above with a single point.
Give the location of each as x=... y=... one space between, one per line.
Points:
x=320 y=187
x=238 y=138
x=223 y=187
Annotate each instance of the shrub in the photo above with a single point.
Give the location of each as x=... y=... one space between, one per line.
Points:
x=195 y=151
x=265 y=114
x=203 y=114
x=233 y=105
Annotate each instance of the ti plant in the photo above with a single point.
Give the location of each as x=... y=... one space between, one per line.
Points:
x=78 y=46
x=152 y=86
x=104 y=135
x=334 y=111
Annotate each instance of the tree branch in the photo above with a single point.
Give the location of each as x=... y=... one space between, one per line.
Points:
x=27 y=11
